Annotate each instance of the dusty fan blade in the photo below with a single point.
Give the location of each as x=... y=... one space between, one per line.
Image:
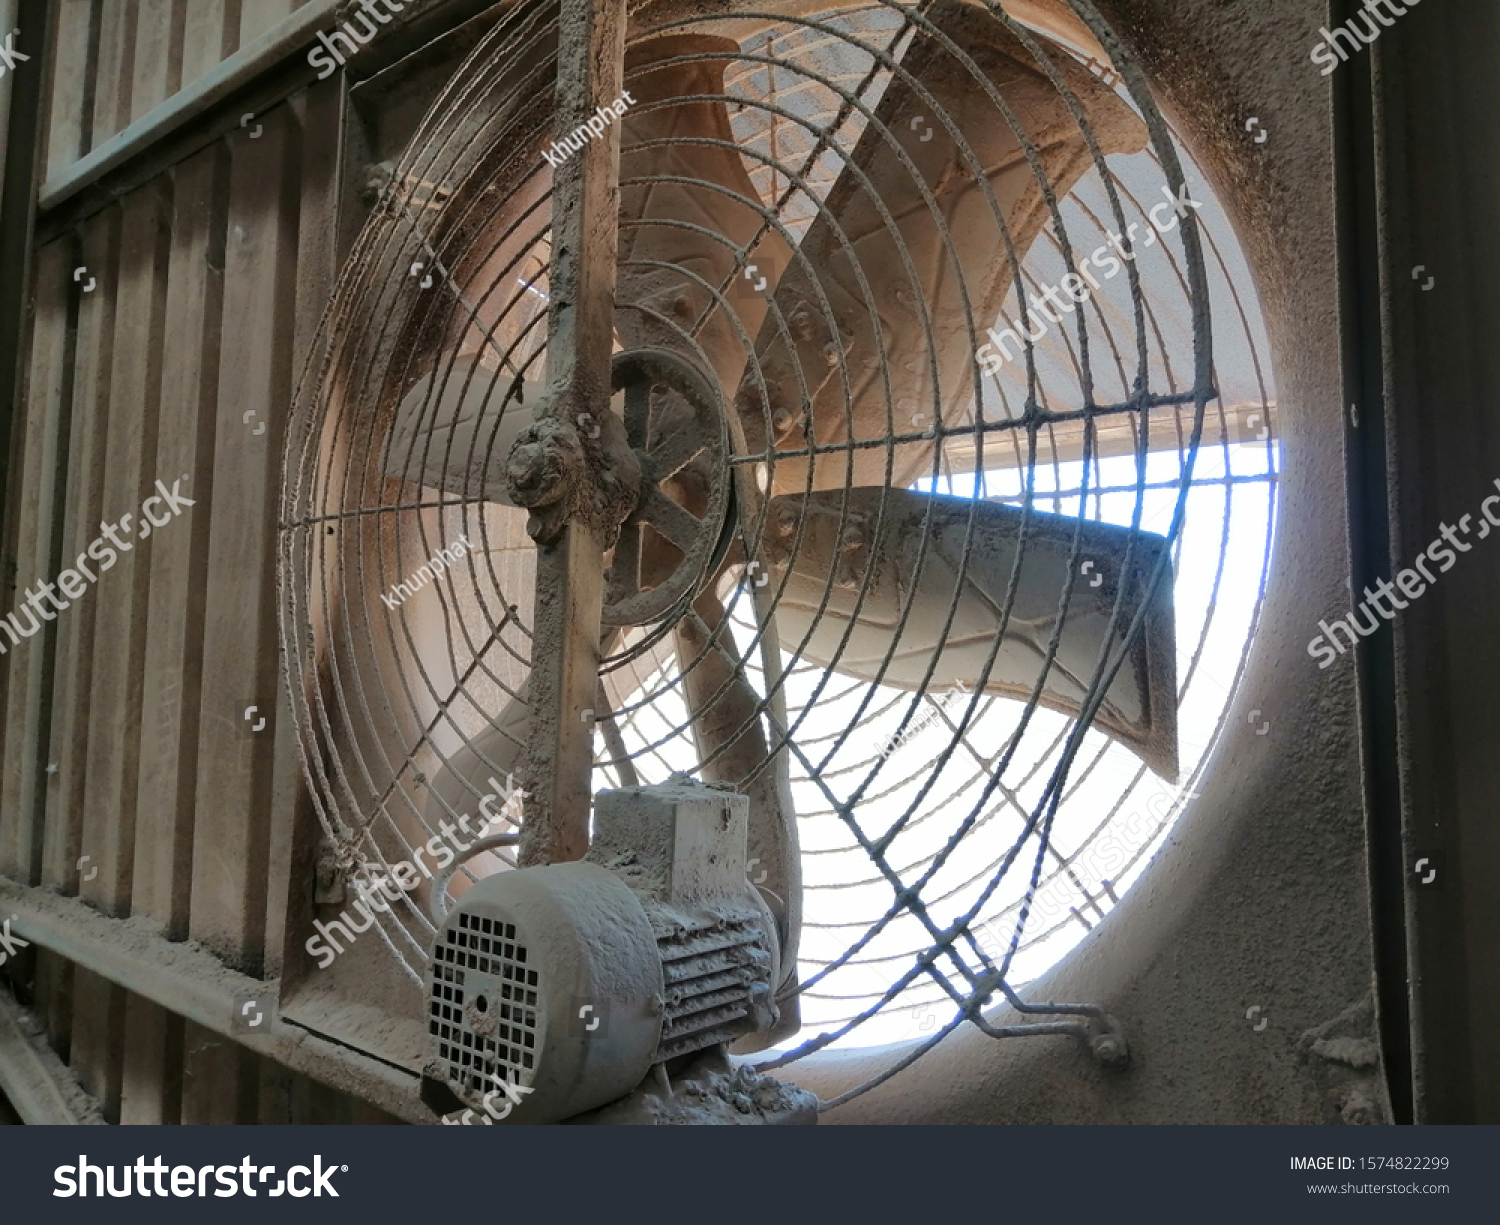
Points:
x=731 y=743
x=670 y=182
x=873 y=537
x=453 y=434
x=454 y=426
x=669 y=272
x=687 y=210
x=454 y=429
x=977 y=262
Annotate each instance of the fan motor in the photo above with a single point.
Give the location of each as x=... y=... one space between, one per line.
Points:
x=569 y=982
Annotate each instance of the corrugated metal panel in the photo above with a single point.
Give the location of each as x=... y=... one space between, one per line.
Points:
x=179 y=557
x=172 y=355
x=211 y=35
x=179 y=362
x=41 y=436
x=123 y=58
x=70 y=115
x=235 y=764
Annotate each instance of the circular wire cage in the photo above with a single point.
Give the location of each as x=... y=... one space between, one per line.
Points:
x=961 y=587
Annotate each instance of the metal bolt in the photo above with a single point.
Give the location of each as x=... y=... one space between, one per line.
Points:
x=1110 y=1050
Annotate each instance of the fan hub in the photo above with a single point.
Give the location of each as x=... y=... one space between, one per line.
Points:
x=573 y=466
x=681 y=444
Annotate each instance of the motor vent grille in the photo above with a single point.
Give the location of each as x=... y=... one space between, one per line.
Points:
x=712 y=971
x=483 y=1010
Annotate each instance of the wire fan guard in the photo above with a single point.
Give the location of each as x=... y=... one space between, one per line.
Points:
x=824 y=213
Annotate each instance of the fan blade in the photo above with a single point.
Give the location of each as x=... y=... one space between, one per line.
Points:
x=669 y=272
x=929 y=380
x=454 y=429
x=686 y=210
x=732 y=745
x=865 y=543
x=671 y=183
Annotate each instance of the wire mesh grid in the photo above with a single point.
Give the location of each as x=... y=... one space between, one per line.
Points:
x=955 y=839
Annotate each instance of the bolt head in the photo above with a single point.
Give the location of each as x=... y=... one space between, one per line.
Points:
x=1110 y=1050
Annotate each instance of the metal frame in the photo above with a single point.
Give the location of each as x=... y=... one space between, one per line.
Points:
x=198 y=986
x=1367 y=466
x=33 y=1079
x=1415 y=140
x=18 y=187
x=569 y=571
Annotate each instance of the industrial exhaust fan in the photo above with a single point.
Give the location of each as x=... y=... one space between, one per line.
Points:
x=747 y=349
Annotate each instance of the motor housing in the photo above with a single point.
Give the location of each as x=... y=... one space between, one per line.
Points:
x=568 y=983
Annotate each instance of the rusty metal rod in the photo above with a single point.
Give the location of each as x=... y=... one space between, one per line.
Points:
x=569 y=571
